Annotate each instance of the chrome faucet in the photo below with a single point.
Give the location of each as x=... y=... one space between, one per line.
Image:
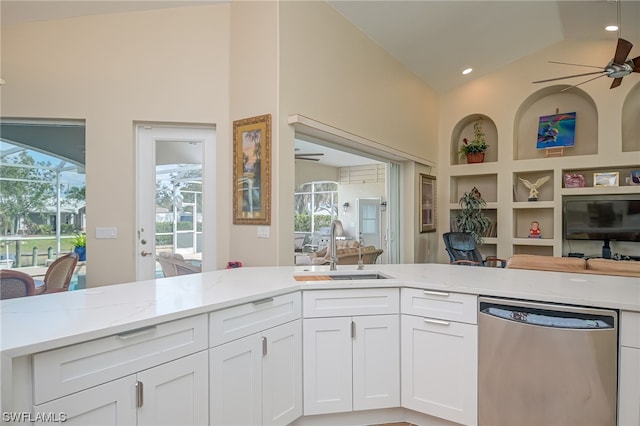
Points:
x=335 y=230
x=360 y=243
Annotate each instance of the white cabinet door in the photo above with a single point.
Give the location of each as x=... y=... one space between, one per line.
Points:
x=439 y=368
x=327 y=349
x=282 y=374
x=629 y=398
x=236 y=382
x=176 y=392
x=111 y=403
x=376 y=362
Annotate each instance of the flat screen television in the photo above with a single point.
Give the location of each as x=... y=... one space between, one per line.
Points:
x=594 y=218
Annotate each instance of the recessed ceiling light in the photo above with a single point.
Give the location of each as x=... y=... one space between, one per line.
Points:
x=467 y=71
x=611 y=28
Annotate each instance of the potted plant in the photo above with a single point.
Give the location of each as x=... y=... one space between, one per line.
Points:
x=474 y=150
x=80 y=246
x=471 y=218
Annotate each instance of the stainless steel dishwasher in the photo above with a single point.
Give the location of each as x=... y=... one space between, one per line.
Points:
x=546 y=364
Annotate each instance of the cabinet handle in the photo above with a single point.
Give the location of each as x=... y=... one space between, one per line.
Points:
x=436 y=321
x=139 y=394
x=264 y=346
x=436 y=293
x=135 y=333
x=353 y=329
x=261 y=301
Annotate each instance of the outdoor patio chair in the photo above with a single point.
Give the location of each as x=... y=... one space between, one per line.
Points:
x=15 y=284
x=59 y=273
x=173 y=264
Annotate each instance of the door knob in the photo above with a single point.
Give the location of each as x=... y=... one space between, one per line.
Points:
x=145 y=253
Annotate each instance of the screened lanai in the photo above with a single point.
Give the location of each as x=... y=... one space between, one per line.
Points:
x=42 y=190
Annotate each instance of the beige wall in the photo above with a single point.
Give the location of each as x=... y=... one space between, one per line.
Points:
x=332 y=73
x=167 y=65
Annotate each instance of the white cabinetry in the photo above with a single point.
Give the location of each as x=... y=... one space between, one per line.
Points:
x=351 y=362
x=102 y=382
x=629 y=374
x=256 y=379
x=439 y=354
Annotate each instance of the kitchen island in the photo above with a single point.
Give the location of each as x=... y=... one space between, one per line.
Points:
x=37 y=332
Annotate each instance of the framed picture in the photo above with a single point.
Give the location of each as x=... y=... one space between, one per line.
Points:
x=252 y=171
x=427 y=203
x=574 y=180
x=556 y=130
x=635 y=177
x=605 y=179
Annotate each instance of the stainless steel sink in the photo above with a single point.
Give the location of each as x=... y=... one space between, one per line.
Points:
x=372 y=276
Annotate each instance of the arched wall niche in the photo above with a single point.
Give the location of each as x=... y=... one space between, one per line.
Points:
x=464 y=129
x=630 y=122
x=548 y=101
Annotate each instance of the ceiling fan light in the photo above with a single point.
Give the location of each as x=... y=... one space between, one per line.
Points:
x=467 y=71
x=611 y=28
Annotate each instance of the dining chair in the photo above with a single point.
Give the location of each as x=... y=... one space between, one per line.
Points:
x=15 y=284
x=173 y=264
x=58 y=275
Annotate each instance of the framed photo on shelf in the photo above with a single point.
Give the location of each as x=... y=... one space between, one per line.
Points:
x=574 y=180
x=427 y=203
x=606 y=179
x=634 y=177
x=252 y=171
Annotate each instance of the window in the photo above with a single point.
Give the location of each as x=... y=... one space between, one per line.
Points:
x=316 y=205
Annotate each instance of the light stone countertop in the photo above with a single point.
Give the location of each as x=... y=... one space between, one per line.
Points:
x=34 y=324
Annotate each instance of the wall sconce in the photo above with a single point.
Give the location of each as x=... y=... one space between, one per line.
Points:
x=383 y=206
x=345 y=207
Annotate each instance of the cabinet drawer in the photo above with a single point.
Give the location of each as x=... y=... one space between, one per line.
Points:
x=440 y=304
x=66 y=370
x=332 y=303
x=630 y=329
x=240 y=321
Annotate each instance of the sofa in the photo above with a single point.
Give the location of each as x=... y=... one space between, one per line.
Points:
x=347 y=251
x=625 y=268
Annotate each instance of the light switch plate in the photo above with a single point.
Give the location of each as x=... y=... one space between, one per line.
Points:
x=263 y=232
x=106 y=232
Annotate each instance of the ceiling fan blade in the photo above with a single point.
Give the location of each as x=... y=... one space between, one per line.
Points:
x=622 y=51
x=636 y=63
x=581 y=83
x=313 y=154
x=570 y=76
x=616 y=83
x=575 y=65
x=298 y=157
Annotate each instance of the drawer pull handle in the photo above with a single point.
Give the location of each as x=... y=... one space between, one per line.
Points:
x=436 y=293
x=135 y=333
x=139 y=394
x=261 y=301
x=436 y=321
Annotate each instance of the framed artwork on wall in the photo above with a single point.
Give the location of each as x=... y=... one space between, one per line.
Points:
x=427 y=203
x=557 y=130
x=252 y=171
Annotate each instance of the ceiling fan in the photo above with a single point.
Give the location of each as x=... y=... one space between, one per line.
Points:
x=308 y=156
x=620 y=66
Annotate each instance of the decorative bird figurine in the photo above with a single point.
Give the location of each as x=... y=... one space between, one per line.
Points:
x=534 y=187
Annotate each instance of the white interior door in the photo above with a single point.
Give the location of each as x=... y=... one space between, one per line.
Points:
x=369 y=226
x=169 y=194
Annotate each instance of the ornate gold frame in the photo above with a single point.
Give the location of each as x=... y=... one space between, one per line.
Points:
x=252 y=171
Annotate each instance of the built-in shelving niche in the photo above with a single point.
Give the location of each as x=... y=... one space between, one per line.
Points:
x=464 y=129
x=630 y=121
x=548 y=101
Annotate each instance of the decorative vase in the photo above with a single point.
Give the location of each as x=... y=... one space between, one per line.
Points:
x=82 y=253
x=475 y=157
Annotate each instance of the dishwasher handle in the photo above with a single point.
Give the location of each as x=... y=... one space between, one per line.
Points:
x=548 y=318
